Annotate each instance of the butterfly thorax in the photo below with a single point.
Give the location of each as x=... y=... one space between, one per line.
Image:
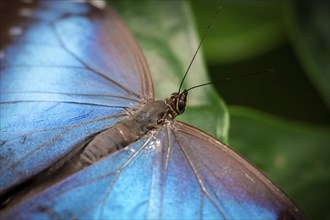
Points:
x=132 y=128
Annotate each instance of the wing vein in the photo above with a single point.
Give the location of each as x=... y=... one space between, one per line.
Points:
x=80 y=123
x=116 y=175
x=57 y=35
x=67 y=102
x=51 y=140
x=199 y=179
x=72 y=94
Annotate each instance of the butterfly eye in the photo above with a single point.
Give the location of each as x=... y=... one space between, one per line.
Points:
x=181 y=105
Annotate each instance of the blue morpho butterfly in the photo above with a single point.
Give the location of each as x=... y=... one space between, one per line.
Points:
x=62 y=145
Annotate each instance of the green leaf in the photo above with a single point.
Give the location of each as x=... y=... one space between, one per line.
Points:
x=242 y=29
x=308 y=25
x=294 y=155
x=166 y=33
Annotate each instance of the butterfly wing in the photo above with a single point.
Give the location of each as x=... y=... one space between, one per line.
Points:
x=179 y=172
x=228 y=183
x=68 y=71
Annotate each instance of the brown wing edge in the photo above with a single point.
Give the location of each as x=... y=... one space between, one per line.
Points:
x=292 y=212
x=145 y=75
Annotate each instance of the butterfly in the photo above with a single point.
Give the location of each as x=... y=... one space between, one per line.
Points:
x=105 y=149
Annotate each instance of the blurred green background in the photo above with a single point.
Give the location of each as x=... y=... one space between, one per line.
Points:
x=278 y=120
x=290 y=38
x=291 y=141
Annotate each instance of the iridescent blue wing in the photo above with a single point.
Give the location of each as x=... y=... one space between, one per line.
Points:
x=68 y=71
x=179 y=172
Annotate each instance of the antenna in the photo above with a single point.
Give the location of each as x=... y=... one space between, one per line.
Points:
x=200 y=44
x=233 y=78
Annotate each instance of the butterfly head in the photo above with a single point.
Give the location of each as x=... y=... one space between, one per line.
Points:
x=177 y=103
